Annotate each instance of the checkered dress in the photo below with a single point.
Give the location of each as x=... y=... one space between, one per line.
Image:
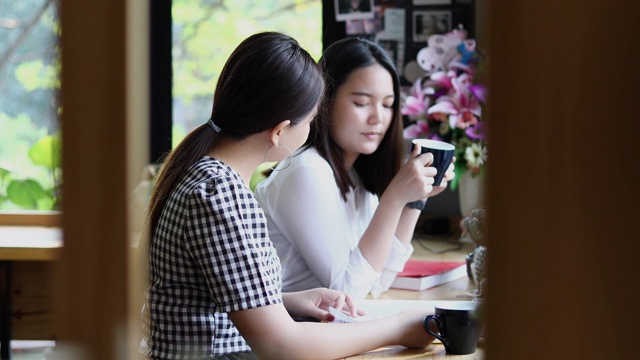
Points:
x=210 y=255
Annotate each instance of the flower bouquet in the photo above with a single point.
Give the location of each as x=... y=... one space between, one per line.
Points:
x=445 y=104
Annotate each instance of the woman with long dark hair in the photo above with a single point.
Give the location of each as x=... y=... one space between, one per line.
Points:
x=358 y=203
x=215 y=288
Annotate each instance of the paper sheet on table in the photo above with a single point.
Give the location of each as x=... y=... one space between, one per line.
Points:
x=376 y=309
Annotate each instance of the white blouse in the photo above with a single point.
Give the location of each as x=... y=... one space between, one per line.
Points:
x=316 y=233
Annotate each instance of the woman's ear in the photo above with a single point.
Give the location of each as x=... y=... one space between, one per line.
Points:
x=276 y=132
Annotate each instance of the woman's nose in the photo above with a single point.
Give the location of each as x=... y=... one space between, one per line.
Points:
x=376 y=115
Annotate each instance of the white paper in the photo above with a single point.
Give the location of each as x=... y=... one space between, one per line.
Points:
x=376 y=309
x=340 y=317
x=394 y=24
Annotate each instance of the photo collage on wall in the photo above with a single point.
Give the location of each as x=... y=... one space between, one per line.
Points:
x=403 y=27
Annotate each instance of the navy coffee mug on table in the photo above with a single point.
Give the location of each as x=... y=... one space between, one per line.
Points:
x=458 y=325
x=442 y=155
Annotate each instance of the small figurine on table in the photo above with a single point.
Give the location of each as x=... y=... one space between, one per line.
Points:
x=474 y=227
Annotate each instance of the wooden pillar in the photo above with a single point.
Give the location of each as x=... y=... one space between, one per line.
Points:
x=104 y=101
x=563 y=175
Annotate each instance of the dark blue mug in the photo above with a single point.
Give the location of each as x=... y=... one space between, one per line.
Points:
x=442 y=155
x=458 y=325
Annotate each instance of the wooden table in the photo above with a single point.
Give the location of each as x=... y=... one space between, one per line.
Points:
x=459 y=290
x=27 y=255
x=26 y=262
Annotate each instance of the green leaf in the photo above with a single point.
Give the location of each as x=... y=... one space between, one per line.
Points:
x=47 y=203
x=454 y=183
x=25 y=193
x=459 y=170
x=46 y=152
x=34 y=75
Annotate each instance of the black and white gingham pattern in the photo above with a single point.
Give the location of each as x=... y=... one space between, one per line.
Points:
x=210 y=255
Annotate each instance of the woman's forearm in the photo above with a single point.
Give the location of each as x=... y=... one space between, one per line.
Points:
x=375 y=243
x=280 y=337
x=407 y=225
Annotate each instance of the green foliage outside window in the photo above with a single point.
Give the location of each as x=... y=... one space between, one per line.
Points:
x=30 y=171
x=205 y=32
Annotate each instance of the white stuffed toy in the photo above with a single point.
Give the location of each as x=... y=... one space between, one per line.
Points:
x=441 y=51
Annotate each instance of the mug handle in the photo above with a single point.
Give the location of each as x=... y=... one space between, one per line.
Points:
x=438 y=322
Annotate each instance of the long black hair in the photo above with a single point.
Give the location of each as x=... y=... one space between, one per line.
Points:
x=375 y=170
x=267 y=79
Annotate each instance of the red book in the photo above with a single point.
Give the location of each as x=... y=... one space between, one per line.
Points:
x=423 y=274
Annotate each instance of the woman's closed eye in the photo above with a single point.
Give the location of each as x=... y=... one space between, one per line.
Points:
x=360 y=104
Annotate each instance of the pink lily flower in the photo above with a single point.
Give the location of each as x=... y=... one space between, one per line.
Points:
x=466 y=80
x=461 y=67
x=477 y=132
x=417 y=103
x=415 y=131
x=462 y=107
x=479 y=91
x=441 y=80
x=462 y=81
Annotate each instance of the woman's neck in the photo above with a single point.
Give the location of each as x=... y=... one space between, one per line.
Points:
x=349 y=159
x=242 y=156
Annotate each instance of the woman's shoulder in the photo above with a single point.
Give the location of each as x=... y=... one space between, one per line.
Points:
x=309 y=157
x=306 y=164
x=208 y=168
x=210 y=176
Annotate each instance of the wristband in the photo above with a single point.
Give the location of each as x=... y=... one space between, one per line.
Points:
x=418 y=204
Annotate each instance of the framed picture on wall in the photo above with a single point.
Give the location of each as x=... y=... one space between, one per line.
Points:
x=353 y=9
x=395 y=49
x=427 y=23
x=366 y=26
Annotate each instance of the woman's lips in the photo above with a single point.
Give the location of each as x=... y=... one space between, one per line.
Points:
x=371 y=135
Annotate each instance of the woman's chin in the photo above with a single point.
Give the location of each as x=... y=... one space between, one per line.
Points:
x=369 y=150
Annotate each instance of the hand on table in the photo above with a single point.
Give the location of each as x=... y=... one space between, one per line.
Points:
x=316 y=302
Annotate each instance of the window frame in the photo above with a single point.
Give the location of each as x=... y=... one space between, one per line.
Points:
x=31 y=218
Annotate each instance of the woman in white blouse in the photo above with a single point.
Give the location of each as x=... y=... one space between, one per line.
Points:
x=355 y=203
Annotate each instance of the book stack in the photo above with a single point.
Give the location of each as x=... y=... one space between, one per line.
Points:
x=424 y=274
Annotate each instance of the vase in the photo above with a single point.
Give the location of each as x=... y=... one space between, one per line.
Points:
x=470 y=192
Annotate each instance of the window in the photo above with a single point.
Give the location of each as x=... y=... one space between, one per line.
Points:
x=30 y=173
x=202 y=34
x=205 y=32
